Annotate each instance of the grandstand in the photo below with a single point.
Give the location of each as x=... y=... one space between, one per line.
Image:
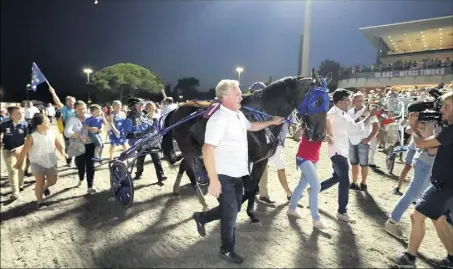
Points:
x=413 y=53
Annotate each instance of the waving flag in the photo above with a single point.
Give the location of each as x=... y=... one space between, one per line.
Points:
x=37 y=77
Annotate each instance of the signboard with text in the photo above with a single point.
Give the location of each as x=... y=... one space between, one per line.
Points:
x=414 y=73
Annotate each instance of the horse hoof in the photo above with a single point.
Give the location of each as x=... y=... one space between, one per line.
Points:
x=255 y=220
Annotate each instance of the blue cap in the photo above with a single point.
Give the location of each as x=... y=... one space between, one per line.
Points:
x=257 y=86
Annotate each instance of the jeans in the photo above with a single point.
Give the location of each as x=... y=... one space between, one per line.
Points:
x=340 y=175
x=230 y=201
x=85 y=163
x=308 y=177
x=419 y=183
x=66 y=144
x=96 y=138
x=358 y=154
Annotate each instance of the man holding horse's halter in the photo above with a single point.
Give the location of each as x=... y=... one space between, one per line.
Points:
x=225 y=156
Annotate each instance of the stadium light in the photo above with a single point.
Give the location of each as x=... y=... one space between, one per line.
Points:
x=239 y=69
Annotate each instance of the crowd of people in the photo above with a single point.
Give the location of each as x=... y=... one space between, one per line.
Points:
x=396 y=66
x=357 y=126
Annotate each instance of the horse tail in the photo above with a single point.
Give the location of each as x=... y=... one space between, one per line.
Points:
x=167 y=143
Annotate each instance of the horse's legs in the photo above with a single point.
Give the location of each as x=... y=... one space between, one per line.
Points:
x=251 y=189
x=182 y=169
x=190 y=165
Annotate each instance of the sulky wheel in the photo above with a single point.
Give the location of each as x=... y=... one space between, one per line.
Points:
x=121 y=184
x=390 y=159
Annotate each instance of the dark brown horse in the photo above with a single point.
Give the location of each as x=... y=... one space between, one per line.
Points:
x=278 y=99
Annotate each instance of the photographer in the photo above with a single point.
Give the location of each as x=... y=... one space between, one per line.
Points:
x=436 y=201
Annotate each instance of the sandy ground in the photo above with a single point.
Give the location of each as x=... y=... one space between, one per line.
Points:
x=78 y=230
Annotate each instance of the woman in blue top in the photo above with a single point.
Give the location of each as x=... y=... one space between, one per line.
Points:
x=117 y=136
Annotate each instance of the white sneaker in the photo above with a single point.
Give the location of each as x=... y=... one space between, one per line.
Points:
x=318 y=224
x=293 y=213
x=345 y=217
x=394 y=229
x=91 y=191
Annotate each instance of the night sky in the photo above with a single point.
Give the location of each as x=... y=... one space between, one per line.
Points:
x=175 y=39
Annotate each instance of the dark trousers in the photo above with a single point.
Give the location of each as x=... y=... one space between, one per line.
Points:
x=157 y=165
x=66 y=144
x=230 y=201
x=85 y=163
x=340 y=175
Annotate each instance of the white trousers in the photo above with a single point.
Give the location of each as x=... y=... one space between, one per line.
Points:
x=372 y=150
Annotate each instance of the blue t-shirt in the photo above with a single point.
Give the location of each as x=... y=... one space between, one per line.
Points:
x=66 y=113
x=94 y=122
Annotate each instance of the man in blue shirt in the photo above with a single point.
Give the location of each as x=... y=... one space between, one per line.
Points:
x=13 y=132
x=67 y=111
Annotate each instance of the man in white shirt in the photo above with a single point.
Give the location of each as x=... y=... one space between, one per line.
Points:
x=29 y=111
x=359 y=148
x=342 y=126
x=225 y=156
x=50 y=112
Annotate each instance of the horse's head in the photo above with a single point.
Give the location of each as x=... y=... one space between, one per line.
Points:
x=309 y=95
x=314 y=106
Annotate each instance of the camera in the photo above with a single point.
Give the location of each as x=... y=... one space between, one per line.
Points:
x=434 y=106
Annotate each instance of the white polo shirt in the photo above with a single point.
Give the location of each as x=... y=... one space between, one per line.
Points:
x=227 y=131
x=356 y=137
x=343 y=126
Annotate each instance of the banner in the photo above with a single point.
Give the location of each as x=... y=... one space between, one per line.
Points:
x=414 y=73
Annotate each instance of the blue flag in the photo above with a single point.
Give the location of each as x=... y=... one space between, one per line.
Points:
x=37 y=77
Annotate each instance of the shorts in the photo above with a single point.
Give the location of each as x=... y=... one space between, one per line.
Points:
x=409 y=157
x=97 y=140
x=435 y=202
x=358 y=154
x=277 y=160
x=38 y=170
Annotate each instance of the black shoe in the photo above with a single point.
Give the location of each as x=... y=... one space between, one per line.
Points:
x=354 y=186
x=200 y=226
x=231 y=257
x=137 y=176
x=21 y=188
x=46 y=192
x=373 y=166
x=26 y=174
x=266 y=199
x=289 y=197
x=363 y=187
x=163 y=178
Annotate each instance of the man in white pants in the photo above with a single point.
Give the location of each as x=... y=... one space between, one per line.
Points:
x=373 y=144
x=277 y=160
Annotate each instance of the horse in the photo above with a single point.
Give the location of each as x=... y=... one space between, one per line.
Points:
x=309 y=95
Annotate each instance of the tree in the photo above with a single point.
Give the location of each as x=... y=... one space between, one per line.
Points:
x=126 y=78
x=187 y=87
x=328 y=66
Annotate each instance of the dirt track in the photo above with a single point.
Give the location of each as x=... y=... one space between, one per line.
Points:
x=77 y=230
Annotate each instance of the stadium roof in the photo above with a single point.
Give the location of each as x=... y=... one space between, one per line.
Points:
x=412 y=36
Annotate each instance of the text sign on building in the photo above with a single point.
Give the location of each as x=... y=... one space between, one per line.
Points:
x=411 y=73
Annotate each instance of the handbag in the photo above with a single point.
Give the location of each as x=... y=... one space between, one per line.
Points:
x=76 y=147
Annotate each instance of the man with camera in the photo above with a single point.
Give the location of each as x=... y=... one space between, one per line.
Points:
x=436 y=202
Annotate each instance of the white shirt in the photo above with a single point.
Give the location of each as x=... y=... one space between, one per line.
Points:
x=75 y=125
x=50 y=111
x=43 y=150
x=168 y=108
x=227 y=131
x=356 y=137
x=29 y=112
x=342 y=127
